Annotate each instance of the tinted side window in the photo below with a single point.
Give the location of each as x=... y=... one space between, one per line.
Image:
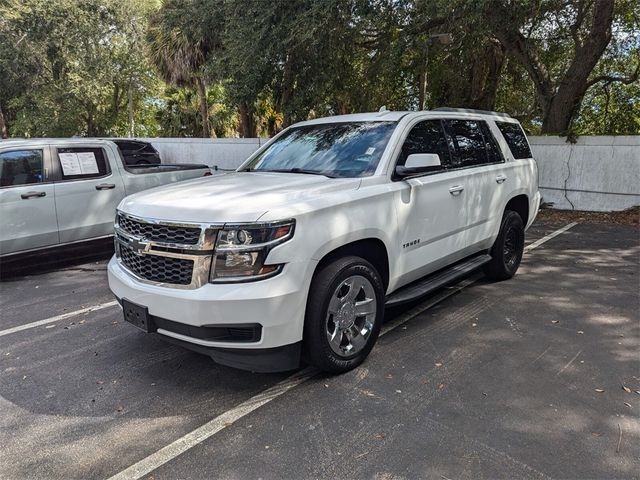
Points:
x=21 y=167
x=493 y=149
x=468 y=142
x=426 y=137
x=513 y=134
x=127 y=146
x=82 y=163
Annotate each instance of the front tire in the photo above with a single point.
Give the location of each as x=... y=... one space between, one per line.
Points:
x=506 y=253
x=344 y=314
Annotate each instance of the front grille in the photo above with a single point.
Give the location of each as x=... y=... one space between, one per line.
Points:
x=177 y=271
x=159 y=233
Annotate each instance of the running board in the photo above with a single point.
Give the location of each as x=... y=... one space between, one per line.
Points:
x=436 y=280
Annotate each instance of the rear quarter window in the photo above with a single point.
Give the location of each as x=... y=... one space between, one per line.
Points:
x=516 y=139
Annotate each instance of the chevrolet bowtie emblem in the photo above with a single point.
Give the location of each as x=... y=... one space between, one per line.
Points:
x=138 y=246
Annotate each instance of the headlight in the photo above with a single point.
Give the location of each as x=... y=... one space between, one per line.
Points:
x=241 y=250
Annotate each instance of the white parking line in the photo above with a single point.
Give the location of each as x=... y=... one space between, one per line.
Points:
x=200 y=434
x=57 y=318
x=546 y=238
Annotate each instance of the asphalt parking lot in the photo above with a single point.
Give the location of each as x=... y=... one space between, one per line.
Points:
x=521 y=379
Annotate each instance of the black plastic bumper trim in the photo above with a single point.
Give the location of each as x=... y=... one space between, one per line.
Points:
x=259 y=360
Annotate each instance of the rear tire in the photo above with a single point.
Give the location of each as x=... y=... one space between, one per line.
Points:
x=506 y=253
x=344 y=314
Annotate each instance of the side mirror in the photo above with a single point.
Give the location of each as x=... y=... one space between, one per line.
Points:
x=419 y=163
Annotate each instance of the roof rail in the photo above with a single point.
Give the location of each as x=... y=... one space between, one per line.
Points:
x=470 y=110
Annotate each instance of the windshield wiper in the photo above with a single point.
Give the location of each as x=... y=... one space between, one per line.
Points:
x=297 y=170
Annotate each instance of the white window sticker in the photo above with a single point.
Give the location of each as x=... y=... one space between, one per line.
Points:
x=81 y=163
x=88 y=163
x=370 y=151
x=70 y=164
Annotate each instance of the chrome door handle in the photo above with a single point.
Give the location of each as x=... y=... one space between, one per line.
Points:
x=27 y=195
x=105 y=186
x=501 y=178
x=456 y=189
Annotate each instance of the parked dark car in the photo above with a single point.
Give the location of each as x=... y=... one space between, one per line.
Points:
x=137 y=152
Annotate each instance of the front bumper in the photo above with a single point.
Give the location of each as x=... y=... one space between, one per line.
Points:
x=277 y=304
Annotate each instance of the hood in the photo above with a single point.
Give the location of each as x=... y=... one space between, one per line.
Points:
x=232 y=197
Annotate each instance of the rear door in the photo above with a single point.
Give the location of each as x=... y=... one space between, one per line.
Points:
x=87 y=191
x=27 y=206
x=479 y=164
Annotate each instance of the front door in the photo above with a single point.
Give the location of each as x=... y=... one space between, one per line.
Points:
x=431 y=208
x=27 y=205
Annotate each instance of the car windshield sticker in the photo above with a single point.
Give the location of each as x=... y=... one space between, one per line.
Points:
x=370 y=151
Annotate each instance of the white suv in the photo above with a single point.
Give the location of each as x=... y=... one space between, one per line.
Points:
x=295 y=255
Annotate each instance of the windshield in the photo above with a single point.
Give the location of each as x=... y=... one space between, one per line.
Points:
x=332 y=149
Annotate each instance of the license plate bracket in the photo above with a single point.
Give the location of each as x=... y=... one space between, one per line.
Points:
x=138 y=316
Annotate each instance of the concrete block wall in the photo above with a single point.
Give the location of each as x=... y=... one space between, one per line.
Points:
x=599 y=173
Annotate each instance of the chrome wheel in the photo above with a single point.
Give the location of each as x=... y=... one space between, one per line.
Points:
x=351 y=316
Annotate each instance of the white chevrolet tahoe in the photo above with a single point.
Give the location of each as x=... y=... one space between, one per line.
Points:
x=295 y=255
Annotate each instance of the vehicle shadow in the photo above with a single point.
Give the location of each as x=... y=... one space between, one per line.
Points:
x=36 y=263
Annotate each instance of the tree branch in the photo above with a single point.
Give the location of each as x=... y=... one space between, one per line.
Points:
x=615 y=78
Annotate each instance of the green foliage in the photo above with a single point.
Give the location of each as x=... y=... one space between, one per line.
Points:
x=251 y=67
x=77 y=60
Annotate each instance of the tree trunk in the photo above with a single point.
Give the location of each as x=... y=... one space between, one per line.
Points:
x=559 y=102
x=204 y=107
x=3 y=126
x=422 y=88
x=131 y=124
x=247 y=125
x=90 y=122
x=287 y=92
x=485 y=78
x=342 y=105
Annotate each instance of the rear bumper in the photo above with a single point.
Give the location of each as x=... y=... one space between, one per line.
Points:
x=534 y=206
x=194 y=317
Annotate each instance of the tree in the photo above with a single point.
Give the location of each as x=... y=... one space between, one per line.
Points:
x=559 y=43
x=183 y=37
x=70 y=64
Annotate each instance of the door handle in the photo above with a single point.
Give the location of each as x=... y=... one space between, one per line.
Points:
x=456 y=189
x=105 y=186
x=27 y=195
x=501 y=178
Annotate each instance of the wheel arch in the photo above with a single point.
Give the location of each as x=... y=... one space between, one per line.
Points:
x=519 y=204
x=372 y=249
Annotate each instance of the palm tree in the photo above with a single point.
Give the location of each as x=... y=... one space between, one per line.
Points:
x=180 y=54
